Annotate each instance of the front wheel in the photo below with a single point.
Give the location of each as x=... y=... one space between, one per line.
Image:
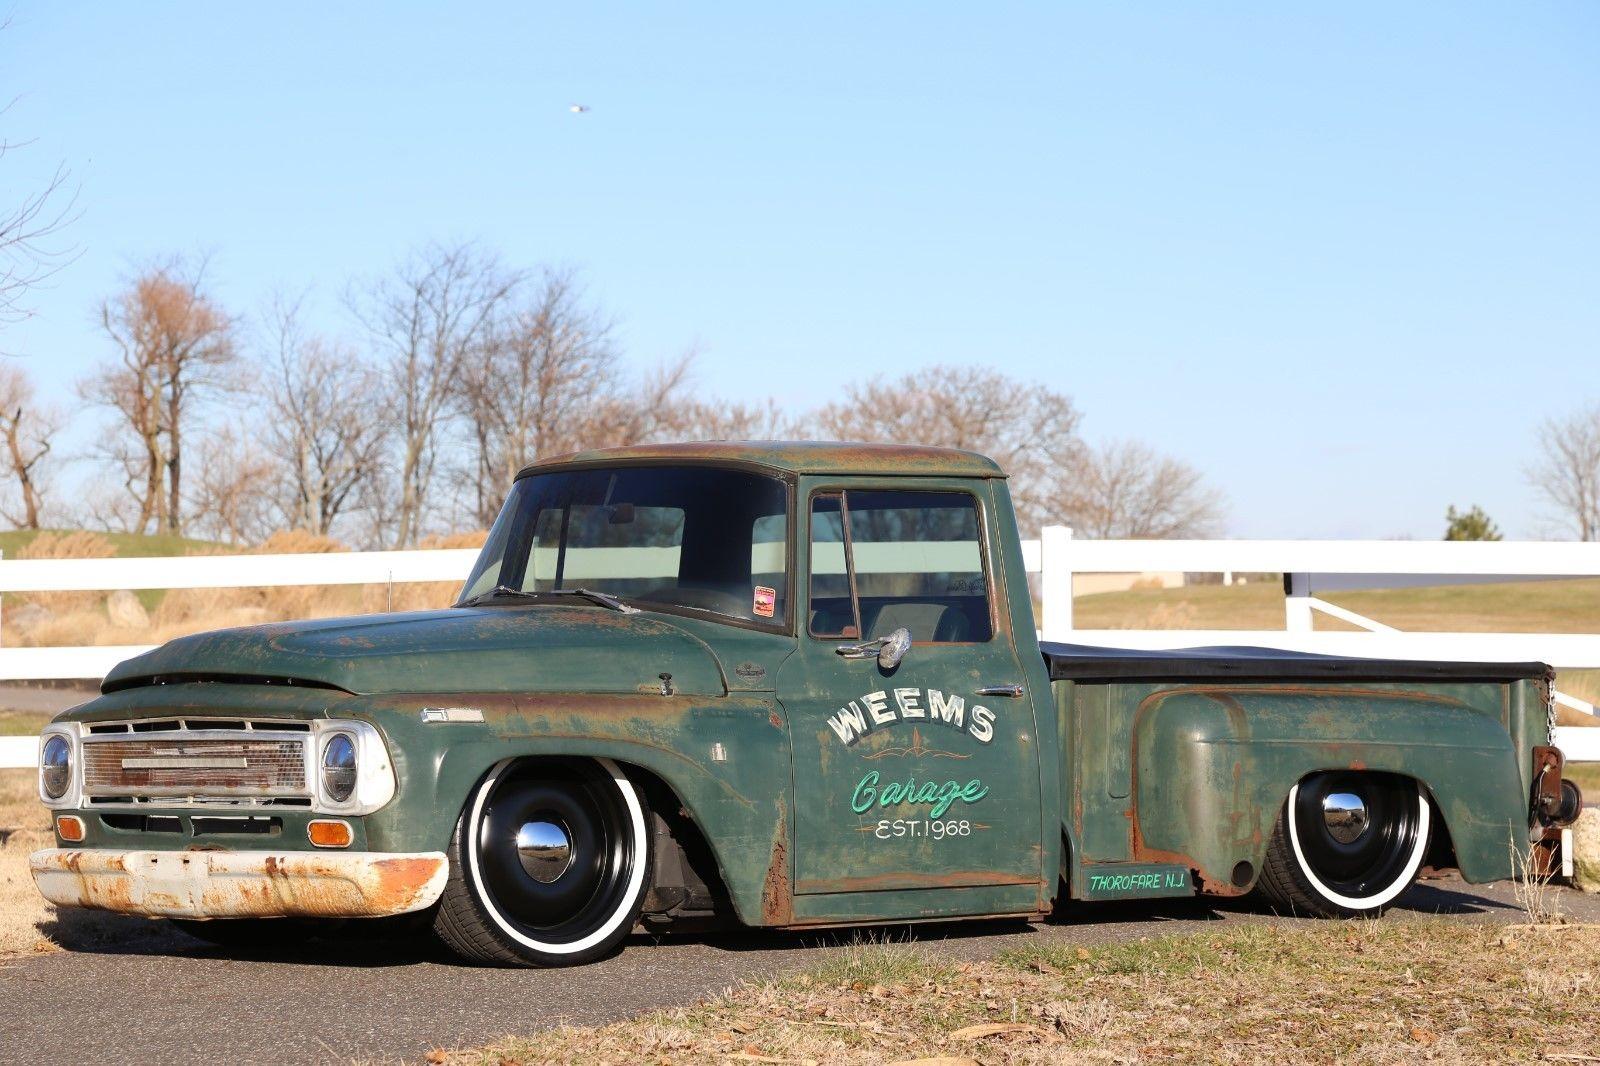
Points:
x=548 y=865
x=1346 y=844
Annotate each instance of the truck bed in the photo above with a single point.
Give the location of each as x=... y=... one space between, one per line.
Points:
x=1079 y=662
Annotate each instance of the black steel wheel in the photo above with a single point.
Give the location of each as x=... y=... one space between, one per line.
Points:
x=1346 y=844
x=549 y=864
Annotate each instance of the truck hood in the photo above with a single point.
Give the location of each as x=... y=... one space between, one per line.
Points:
x=529 y=648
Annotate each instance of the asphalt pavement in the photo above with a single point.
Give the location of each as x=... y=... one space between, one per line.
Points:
x=174 y=1000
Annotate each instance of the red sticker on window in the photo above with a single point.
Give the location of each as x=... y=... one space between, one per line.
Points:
x=765 y=602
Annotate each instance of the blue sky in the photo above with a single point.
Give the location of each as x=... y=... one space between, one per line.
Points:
x=1342 y=258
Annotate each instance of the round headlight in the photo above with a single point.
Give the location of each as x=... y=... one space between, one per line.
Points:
x=339 y=767
x=55 y=766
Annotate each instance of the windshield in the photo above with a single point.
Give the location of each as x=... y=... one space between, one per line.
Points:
x=697 y=539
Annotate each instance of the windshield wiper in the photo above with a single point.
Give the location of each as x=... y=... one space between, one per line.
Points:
x=506 y=592
x=604 y=599
x=499 y=592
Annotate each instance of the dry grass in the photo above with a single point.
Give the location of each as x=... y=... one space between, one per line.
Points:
x=25 y=827
x=1376 y=992
x=81 y=617
x=29 y=925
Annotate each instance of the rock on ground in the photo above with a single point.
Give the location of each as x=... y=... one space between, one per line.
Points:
x=1586 y=851
x=125 y=610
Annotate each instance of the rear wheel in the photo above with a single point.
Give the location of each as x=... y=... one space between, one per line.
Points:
x=548 y=865
x=1346 y=844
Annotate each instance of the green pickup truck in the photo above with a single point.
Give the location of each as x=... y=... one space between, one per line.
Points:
x=778 y=685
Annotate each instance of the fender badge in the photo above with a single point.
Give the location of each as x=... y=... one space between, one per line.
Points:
x=750 y=671
x=452 y=714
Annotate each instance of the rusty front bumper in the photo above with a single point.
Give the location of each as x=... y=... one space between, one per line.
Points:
x=240 y=884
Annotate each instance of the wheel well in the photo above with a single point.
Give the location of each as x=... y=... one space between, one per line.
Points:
x=1441 y=854
x=687 y=881
x=690 y=866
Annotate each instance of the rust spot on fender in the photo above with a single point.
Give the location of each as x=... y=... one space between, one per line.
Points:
x=882 y=882
x=399 y=882
x=777 y=902
x=1208 y=884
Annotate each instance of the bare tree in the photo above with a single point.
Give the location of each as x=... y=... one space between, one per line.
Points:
x=176 y=347
x=1031 y=431
x=230 y=497
x=29 y=429
x=726 y=420
x=534 y=385
x=327 y=431
x=424 y=319
x=1125 y=489
x=653 y=408
x=29 y=252
x=1567 y=472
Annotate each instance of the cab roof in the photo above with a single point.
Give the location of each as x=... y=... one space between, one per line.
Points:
x=797 y=457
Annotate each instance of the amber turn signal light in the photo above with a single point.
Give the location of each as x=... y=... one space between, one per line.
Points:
x=327 y=833
x=70 y=827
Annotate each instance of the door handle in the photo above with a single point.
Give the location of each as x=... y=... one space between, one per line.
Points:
x=1009 y=691
x=888 y=650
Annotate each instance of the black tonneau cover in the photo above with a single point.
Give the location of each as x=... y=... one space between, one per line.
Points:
x=1078 y=662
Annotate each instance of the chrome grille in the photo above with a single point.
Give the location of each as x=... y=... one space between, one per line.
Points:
x=225 y=764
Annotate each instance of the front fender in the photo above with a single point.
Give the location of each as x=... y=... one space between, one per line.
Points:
x=726 y=759
x=1214 y=766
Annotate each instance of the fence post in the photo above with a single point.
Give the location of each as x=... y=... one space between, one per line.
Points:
x=1297 y=603
x=1055 y=581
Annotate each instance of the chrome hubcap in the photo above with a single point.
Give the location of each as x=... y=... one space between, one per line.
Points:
x=1345 y=815
x=545 y=850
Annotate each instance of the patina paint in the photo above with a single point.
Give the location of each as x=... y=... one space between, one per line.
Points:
x=908 y=778
x=797 y=457
x=830 y=790
x=513 y=648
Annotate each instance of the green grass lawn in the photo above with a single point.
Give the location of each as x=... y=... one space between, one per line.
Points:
x=1587 y=776
x=1568 y=606
x=128 y=545
x=22 y=723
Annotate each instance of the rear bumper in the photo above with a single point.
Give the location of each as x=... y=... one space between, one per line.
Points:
x=240 y=884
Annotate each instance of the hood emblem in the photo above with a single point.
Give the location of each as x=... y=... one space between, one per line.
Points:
x=470 y=715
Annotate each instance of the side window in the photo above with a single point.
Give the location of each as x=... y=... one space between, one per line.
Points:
x=909 y=559
x=833 y=608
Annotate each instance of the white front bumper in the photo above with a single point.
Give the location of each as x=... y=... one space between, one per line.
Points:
x=240 y=884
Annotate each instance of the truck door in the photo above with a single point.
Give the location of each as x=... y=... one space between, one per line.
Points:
x=924 y=775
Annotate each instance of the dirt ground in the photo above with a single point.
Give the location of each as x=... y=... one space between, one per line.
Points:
x=29 y=925
x=1422 y=989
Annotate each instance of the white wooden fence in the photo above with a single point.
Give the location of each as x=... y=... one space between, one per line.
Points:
x=1309 y=567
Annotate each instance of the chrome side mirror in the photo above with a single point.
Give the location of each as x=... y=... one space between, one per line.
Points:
x=890 y=649
x=894 y=648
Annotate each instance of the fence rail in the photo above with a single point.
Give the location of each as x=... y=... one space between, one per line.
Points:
x=1307 y=566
